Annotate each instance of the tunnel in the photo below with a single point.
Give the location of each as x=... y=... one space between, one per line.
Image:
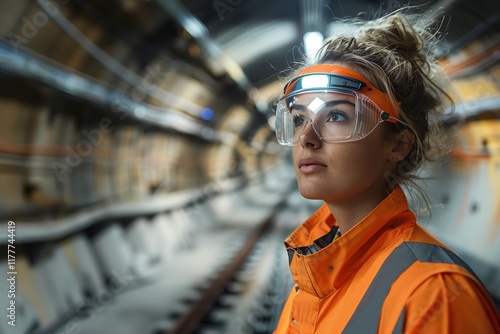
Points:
x=142 y=186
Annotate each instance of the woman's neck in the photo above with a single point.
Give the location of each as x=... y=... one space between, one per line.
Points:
x=351 y=211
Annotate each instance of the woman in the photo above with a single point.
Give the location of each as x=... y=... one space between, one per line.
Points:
x=358 y=124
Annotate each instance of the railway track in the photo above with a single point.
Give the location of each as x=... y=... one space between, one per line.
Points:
x=245 y=295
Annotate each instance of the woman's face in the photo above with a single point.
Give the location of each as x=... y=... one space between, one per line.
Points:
x=338 y=172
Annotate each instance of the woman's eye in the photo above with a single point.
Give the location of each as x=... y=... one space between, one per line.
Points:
x=337 y=116
x=298 y=120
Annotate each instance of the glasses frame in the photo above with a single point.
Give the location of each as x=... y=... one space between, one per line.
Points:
x=360 y=100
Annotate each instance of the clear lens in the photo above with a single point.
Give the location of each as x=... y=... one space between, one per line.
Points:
x=335 y=116
x=284 y=125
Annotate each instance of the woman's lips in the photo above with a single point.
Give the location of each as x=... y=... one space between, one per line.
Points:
x=309 y=165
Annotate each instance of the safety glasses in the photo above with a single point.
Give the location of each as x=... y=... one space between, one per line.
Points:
x=336 y=105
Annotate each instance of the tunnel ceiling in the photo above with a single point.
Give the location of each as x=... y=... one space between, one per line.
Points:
x=265 y=37
x=240 y=45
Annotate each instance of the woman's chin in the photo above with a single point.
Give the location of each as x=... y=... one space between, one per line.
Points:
x=310 y=194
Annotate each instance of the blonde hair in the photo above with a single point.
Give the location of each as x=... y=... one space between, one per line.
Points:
x=397 y=57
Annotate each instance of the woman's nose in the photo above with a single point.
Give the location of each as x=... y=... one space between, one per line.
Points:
x=310 y=136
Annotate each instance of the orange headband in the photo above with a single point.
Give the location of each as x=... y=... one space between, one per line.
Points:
x=380 y=98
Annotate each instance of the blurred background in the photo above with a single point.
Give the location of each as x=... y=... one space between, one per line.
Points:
x=141 y=186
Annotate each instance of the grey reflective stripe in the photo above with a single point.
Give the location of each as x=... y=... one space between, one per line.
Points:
x=398 y=329
x=366 y=317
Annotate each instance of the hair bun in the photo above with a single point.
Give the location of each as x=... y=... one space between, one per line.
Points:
x=399 y=36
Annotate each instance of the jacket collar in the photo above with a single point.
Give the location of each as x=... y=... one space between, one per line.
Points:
x=324 y=271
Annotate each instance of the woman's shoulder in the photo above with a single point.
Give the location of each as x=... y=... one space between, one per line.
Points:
x=442 y=301
x=421 y=255
x=436 y=287
x=412 y=231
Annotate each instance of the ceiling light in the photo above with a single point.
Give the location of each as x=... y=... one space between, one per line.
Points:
x=312 y=42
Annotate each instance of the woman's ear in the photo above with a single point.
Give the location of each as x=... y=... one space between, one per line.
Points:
x=402 y=143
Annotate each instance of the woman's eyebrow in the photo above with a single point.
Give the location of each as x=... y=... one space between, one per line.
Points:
x=333 y=103
x=300 y=107
x=337 y=102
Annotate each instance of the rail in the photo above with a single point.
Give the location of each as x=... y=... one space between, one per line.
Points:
x=191 y=319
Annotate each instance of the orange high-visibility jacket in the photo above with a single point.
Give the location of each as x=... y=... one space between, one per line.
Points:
x=385 y=275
